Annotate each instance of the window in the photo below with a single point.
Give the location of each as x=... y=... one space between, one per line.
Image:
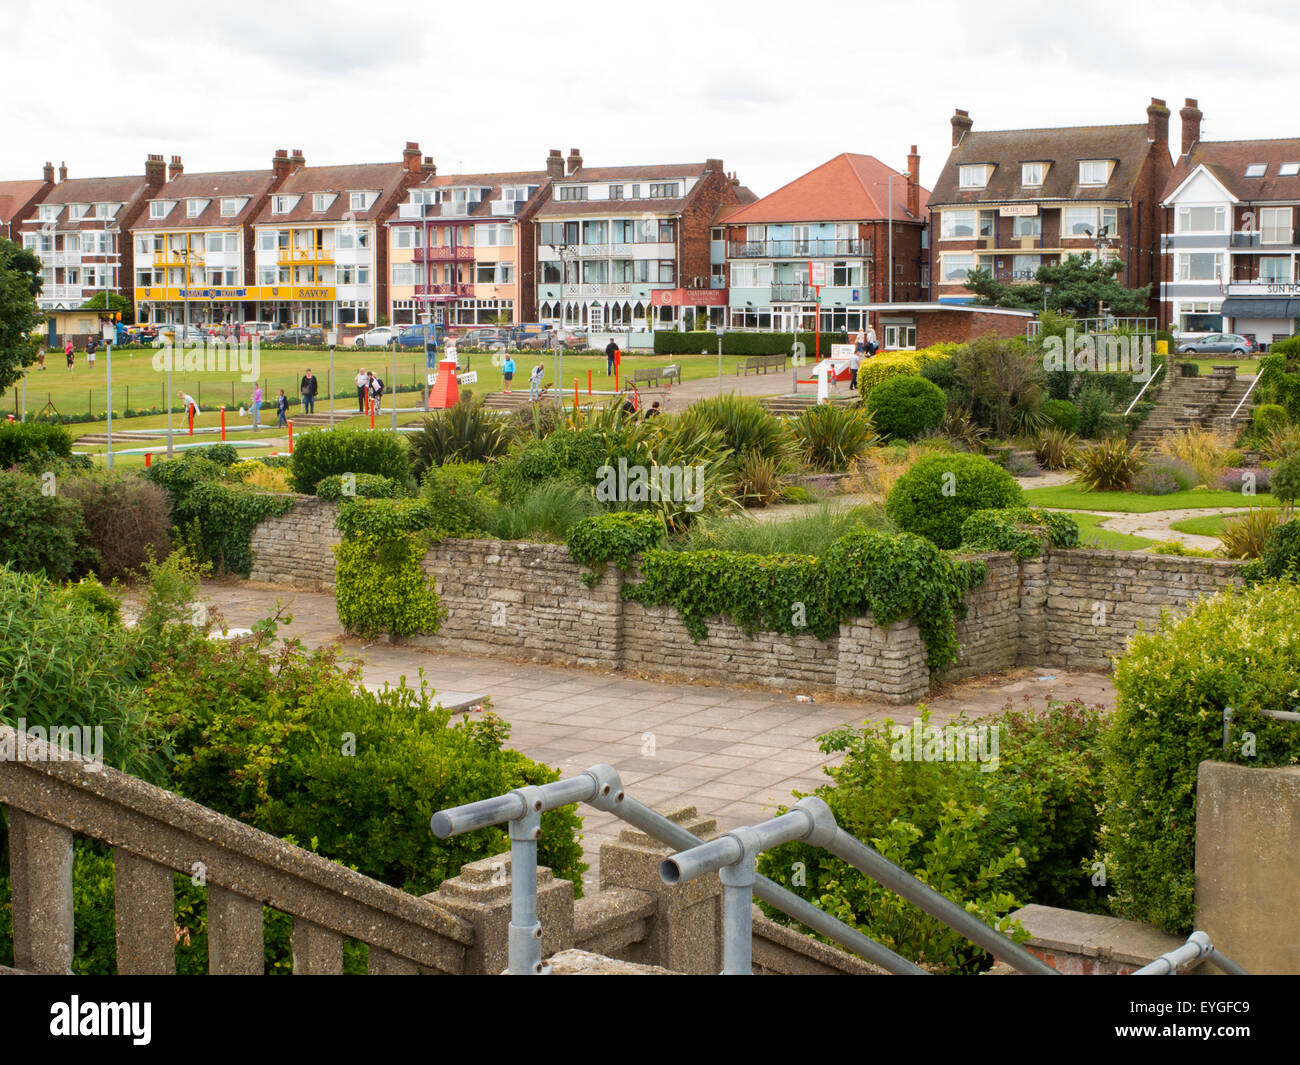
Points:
x=282 y=205
x=193 y=208
x=550 y=269
x=973 y=177
x=1201 y=220
x=988 y=223
x=1256 y=169
x=956 y=225
x=77 y=211
x=156 y=210
x=494 y=235
x=1094 y=172
x=900 y=336
x=846 y=275
x=1275 y=225
x=1031 y=174
x=573 y=192
x=1088 y=221
x=1199 y=266
x=354 y=275
x=319 y=201
x=72 y=242
x=717 y=233
x=49 y=213
x=616 y=192
x=622 y=231
x=1024 y=267
x=956 y=267
x=357 y=201
x=1288 y=170
x=266 y=240
x=1027 y=226
x=751 y=275
x=595 y=272
x=407 y=237
x=667 y=231
x=229 y=208
x=106 y=210
x=1275 y=268
x=266 y=275
x=636 y=192
x=594 y=232
x=667 y=272
x=664 y=190
x=1200 y=317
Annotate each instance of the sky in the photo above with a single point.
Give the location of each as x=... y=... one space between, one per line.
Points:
x=772 y=88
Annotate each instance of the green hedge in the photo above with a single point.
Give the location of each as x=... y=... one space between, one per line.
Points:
x=40 y=531
x=23 y=440
x=668 y=342
x=905 y=407
x=364 y=486
x=936 y=496
x=614 y=538
x=322 y=452
x=1171 y=688
x=1021 y=530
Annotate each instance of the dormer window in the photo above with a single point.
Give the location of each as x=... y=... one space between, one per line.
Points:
x=320 y=201
x=282 y=205
x=356 y=201
x=106 y=210
x=1257 y=170
x=158 y=209
x=573 y=192
x=616 y=192
x=1288 y=170
x=973 y=177
x=49 y=212
x=76 y=212
x=194 y=208
x=230 y=208
x=667 y=190
x=1094 y=171
x=1032 y=174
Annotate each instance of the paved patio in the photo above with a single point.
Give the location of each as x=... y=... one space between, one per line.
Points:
x=735 y=753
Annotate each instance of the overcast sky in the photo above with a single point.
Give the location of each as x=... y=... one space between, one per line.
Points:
x=773 y=88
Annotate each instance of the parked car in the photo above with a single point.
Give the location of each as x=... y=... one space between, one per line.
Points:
x=379 y=337
x=181 y=333
x=415 y=336
x=1220 y=344
x=486 y=339
x=302 y=336
x=141 y=334
x=575 y=340
x=536 y=341
x=256 y=329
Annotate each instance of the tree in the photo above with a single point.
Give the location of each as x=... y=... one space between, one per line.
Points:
x=20 y=283
x=117 y=304
x=1078 y=286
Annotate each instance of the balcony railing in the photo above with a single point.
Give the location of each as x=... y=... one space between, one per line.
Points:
x=506 y=208
x=796 y=249
x=444 y=291
x=176 y=257
x=793 y=292
x=298 y=256
x=1262 y=239
x=442 y=253
x=603 y=251
x=615 y=288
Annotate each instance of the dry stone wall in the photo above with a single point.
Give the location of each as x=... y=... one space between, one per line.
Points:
x=524 y=600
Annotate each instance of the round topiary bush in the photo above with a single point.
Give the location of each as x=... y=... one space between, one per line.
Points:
x=1062 y=413
x=936 y=496
x=905 y=407
x=327 y=451
x=882 y=367
x=1269 y=415
x=360 y=486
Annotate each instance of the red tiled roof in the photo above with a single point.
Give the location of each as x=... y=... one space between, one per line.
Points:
x=15 y=195
x=96 y=190
x=848 y=188
x=654 y=172
x=1227 y=161
x=248 y=184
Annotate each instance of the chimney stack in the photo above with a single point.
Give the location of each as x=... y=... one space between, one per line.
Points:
x=961 y=125
x=63 y=173
x=554 y=164
x=1157 y=122
x=428 y=169
x=280 y=164
x=713 y=164
x=411 y=157
x=296 y=160
x=49 y=173
x=1191 y=116
x=913 y=185
x=177 y=168
x=575 y=160
x=155 y=171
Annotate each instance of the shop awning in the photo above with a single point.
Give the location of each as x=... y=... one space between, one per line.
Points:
x=1253 y=307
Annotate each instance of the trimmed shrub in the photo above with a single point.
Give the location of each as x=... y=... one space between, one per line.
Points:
x=1285 y=482
x=41 y=533
x=1062 y=413
x=614 y=538
x=905 y=407
x=361 y=485
x=455 y=500
x=221 y=454
x=1093 y=402
x=1171 y=686
x=128 y=521
x=322 y=452
x=935 y=497
x=1281 y=554
x=1021 y=530
x=24 y=440
x=1268 y=416
x=876 y=370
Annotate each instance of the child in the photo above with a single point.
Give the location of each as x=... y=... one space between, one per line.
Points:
x=67 y=350
x=282 y=408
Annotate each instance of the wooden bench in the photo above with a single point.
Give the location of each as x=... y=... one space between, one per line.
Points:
x=762 y=363
x=656 y=375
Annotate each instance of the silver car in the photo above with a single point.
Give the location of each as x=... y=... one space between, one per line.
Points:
x=1220 y=344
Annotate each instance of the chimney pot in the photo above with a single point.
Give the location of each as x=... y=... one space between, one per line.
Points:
x=177 y=168
x=961 y=125
x=1157 y=122
x=63 y=172
x=575 y=160
x=49 y=173
x=1191 y=116
x=554 y=164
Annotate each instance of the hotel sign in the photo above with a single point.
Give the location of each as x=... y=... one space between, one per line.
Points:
x=689 y=297
x=1265 y=288
x=1018 y=210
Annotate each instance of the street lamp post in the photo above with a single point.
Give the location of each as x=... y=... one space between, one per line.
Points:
x=108 y=355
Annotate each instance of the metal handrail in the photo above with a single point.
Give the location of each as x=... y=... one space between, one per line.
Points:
x=1198 y=945
x=601 y=787
x=734 y=858
x=1143 y=389
x=1276 y=715
x=1258 y=375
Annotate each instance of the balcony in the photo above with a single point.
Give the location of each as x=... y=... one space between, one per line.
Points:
x=787 y=293
x=451 y=291
x=443 y=253
x=858 y=248
x=616 y=288
x=414 y=212
x=304 y=256
x=177 y=257
x=506 y=208
x=1262 y=239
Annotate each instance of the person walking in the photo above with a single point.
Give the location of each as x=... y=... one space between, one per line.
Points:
x=282 y=410
x=307 y=386
x=508 y=371
x=855 y=360
x=40 y=359
x=191 y=408
x=68 y=353
x=611 y=355
x=535 y=382
x=871 y=342
x=255 y=407
x=90 y=352
x=362 y=381
x=860 y=343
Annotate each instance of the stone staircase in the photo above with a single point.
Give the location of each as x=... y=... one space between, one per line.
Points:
x=1205 y=402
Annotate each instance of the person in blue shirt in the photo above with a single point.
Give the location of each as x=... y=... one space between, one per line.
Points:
x=508 y=371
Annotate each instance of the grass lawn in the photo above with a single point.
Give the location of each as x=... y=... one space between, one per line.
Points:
x=138 y=384
x=1209 y=525
x=1092 y=535
x=1207 y=363
x=1071 y=497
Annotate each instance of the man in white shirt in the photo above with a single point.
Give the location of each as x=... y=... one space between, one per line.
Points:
x=191 y=408
x=362 y=381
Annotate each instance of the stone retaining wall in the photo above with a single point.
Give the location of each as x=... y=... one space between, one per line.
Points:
x=1073 y=609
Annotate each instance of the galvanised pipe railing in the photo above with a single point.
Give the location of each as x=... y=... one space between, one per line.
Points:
x=1277 y=715
x=601 y=787
x=1198 y=945
x=734 y=856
